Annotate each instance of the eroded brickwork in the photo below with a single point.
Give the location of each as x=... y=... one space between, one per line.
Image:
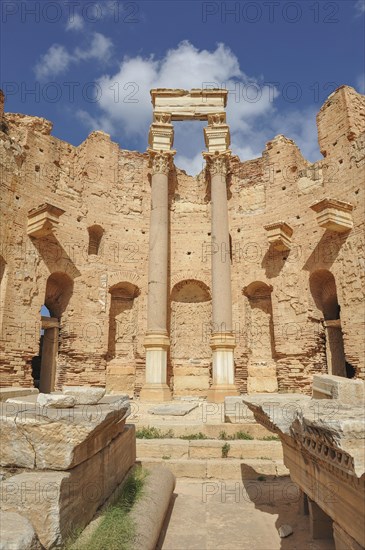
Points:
x=101 y=299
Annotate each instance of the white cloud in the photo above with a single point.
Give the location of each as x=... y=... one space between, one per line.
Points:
x=360 y=83
x=99 y=48
x=360 y=7
x=75 y=23
x=57 y=59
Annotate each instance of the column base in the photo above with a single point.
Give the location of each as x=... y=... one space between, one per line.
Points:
x=216 y=393
x=156 y=393
x=222 y=345
x=156 y=388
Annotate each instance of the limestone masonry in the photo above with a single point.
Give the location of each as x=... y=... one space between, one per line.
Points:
x=246 y=278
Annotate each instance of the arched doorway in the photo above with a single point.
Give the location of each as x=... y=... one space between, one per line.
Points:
x=59 y=289
x=323 y=289
x=260 y=339
x=190 y=352
x=123 y=320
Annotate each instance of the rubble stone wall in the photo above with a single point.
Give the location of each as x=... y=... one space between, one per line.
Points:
x=99 y=184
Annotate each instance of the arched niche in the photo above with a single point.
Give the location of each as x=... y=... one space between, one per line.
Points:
x=190 y=327
x=122 y=334
x=96 y=233
x=260 y=338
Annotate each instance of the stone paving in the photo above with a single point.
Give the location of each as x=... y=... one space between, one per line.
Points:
x=232 y=515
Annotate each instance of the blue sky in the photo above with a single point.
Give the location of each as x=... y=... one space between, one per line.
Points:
x=91 y=65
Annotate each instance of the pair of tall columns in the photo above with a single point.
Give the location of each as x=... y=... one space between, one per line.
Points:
x=157 y=340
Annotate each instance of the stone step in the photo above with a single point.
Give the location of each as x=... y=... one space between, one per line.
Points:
x=220 y=468
x=212 y=431
x=208 y=449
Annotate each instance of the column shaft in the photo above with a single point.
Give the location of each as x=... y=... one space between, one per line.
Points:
x=157 y=341
x=223 y=341
x=221 y=261
x=158 y=256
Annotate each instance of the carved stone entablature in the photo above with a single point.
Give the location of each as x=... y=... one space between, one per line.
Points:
x=217 y=137
x=334 y=214
x=194 y=104
x=161 y=135
x=330 y=454
x=279 y=235
x=162 y=118
x=43 y=220
x=218 y=163
x=160 y=162
x=217 y=119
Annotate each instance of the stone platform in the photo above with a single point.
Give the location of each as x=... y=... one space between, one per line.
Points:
x=67 y=462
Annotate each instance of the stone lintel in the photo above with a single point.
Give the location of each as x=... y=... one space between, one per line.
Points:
x=43 y=219
x=333 y=214
x=279 y=235
x=195 y=104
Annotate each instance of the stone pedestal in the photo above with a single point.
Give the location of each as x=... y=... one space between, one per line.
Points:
x=222 y=345
x=155 y=388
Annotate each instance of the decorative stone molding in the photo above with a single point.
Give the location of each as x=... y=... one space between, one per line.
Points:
x=43 y=220
x=162 y=118
x=217 y=119
x=334 y=214
x=279 y=235
x=162 y=162
x=217 y=137
x=218 y=163
x=161 y=135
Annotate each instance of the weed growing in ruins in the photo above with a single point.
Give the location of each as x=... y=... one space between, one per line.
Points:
x=116 y=530
x=271 y=438
x=150 y=432
x=238 y=435
x=166 y=457
x=243 y=435
x=225 y=450
x=191 y=437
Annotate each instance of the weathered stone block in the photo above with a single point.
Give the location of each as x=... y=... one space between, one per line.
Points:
x=17 y=533
x=68 y=500
x=58 y=439
x=84 y=395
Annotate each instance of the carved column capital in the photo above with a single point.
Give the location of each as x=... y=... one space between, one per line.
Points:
x=218 y=163
x=160 y=162
x=162 y=118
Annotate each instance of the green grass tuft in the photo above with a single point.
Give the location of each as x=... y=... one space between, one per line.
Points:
x=225 y=450
x=192 y=437
x=116 y=530
x=150 y=432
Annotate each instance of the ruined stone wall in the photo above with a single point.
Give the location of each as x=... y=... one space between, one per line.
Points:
x=99 y=184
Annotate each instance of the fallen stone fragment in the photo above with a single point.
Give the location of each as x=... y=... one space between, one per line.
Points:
x=285 y=530
x=55 y=401
x=17 y=533
x=175 y=409
x=84 y=395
